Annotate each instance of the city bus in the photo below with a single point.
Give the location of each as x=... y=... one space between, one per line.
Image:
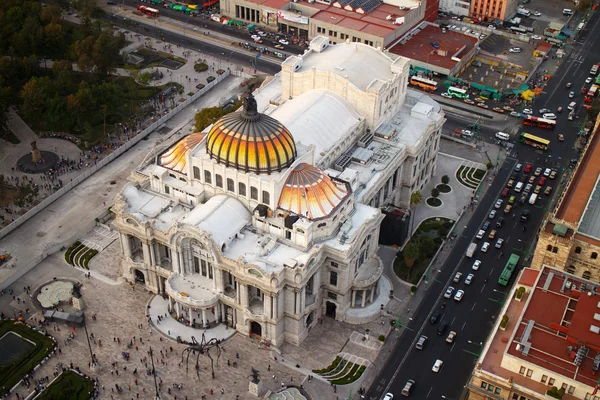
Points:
x=509 y=268
x=589 y=97
x=598 y=80
x=457 y=92
x=426 y=84
x=518 y=29
x=539 y=122
x=151 y=12
x=555 y=42
x=534 y=141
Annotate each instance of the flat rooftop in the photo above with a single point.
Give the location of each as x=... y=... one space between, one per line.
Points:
x=582 y=186
x=547 y=328
x=418 y=47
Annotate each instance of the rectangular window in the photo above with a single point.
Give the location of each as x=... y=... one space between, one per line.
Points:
x=483 y=385
x=230 y=185
x=166 y=189
x=564 y=386
x=522 y=370
x=551 y=381
x=207 y=177
x=490 y=388
x=544 y=378
x=334 y=264
x=266 y=197
x=219 y=179
x=497 y=391
x=196 y=265
x=210 y=271
x=253 y=193
x=203 y=264
x=529 y=373
x=332 y=295
x=571 y=389
x=333 y=278
x=242 y=189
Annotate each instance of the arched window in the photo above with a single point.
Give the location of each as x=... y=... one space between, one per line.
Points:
x=570 y=269
x=555 y=249
x=207 y=177
x=266 y=197
x=322 y=225
x=196 y=173
x=242 y=189
x=253 y=193
x=230 y=185
x=549 y=247
x=219 y=180
x=586 y=275
x=577 y=250
x=594 y=255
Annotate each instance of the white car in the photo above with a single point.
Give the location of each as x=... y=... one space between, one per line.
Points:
x=284 y=42
x=480 y=234
x=547 y=172
x=469 y=279
x=491 y=27
x=449 y=292
x=536 y=37
x=446 y=95
x=571 y=95
x=545 y=110
x=437 y=366
x=514 y=114
x=476 y=265
x=481 y=37
x=537 y=13
x=492 y=214
x=388 y=396
x=588 y=79
x=514 y=50
x=261 y=33
x=485 y=247
x=499 y=243
x=498 y=204
x=551 y=116
x=255 y=37
x=528 y=111
x=572 y=105
x=459 y=295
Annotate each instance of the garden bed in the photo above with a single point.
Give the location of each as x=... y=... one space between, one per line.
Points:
x=469 y=176
x=444 y=188
x=433 y=202
x=69 y=386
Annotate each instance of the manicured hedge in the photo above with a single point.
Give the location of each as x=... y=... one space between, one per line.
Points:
x=330 y=368
x=70 y=250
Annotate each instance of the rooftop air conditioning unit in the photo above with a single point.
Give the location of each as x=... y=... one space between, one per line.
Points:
x=389 y=17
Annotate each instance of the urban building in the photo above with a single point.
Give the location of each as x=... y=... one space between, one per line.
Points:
x=447 y=55
x=374 y=22
x=549 y=344
x=569 y=238
x=269 y=219
x=456 y=7
x=493 y=10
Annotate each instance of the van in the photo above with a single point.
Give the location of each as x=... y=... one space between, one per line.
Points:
x=525 y=215
x=408 y=388
x=502 y=136
x=519 y=187
x=500 y=223
x=442 y=328
x=572 y=105
x=421 y=343
x=567 y=11
x=533 y=198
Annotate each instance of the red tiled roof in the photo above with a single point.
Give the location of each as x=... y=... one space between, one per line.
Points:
x=579 y=191
x=419 y=46
x=528 y=277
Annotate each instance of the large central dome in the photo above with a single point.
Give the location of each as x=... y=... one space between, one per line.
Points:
x=250 y=141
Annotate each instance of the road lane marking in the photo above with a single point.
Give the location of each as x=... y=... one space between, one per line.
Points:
x=463 y=327
x=472 y=308
x=453 y=319
x=428 y=393
x=483 y=287
x=453 y=344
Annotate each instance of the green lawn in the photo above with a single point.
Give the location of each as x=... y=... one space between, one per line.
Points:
x=69 y=386
x=11 y=374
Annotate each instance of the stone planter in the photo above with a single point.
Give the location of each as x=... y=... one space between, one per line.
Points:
x=255 y=388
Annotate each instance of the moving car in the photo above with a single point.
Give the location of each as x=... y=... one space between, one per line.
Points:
x=545 y=110
x=442 y=328
x=499 y=243
x=446 y=95
x=537 y=13
x=551 y=116
x=482 y=105
x=571 y=95
x=514 y=50
x=492 y=214
x=469 y=279
x=507 y=209
x=476 y=265
x=504 y=194
x=528 y=111
x=536 y=37
x=486 y=225
x=492 y=234
x=421 y=343
x=451 y=337
x=485 y=247
x=435 y=317
x=561 y=138
x=279 y=46
x=508 y=108
x=408 y=388
x=480 y=234
x=588 y=79
x=437 y=366
x=388 y=396
x=284 y=42
x=255 y=37
x=498 y=110
x=572 y=105
x=449 y=292
x=468 y=101
x=459 y=295
x=457 y=277
x=498 y=203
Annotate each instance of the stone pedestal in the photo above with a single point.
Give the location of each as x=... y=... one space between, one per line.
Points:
x=78 y=303
x=36 y=156
x=255 y=388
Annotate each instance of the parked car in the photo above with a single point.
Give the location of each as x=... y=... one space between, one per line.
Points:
x=469 y=279
x=498 y=110
x=548 y=190
x=536 y=37
x=547 y=172
x=492 y=214
x=515 y=50
x=508 y=108
x=498 y=204
x=528 y=111
x=537 y=13
x=510 y=183
x=482 y=105
x=492 y=234
x=588 y=79
x=507 y=209
x=532 y=179
x=486 y=225
x=538 y=171
x=542 y=181
x=279 y=46
x=480 y=234
x=468 y=101
x=571 y=95
x=435 y=317
x=527 y=188
x=537 y=189
x=553 y=174
x=457 y=277
x=527 y=168
x=284 y=42
x=446 y=95
x=518 y=167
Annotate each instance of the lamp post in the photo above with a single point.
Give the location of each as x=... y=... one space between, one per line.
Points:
x=154 y=375
x=94 y=364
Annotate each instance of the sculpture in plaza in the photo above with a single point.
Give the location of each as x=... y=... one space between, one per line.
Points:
x=255 y=375
x=201 y=348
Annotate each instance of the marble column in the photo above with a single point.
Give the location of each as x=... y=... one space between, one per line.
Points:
x=203 y=318
x=178 y=309
x=243 y=295
x=373 y=292
x=275 y=305
x=297 y=297
x=267 y=306
x=175 y=261
x=191 y=315
x=152 y=254
x=217 y=312
x=364 y=298
x=353 y=298
x=218 y=277
x=302 y=299
x=170 y=303
x=126 y=242
x=223 y=313
x=146 y=252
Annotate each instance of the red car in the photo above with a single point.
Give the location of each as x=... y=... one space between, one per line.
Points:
x=505 y=192
x=528 y=168
x=542 y=181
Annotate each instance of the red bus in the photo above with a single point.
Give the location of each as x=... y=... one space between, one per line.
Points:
x=539 y=122
x=589 y=97
x=151 y=12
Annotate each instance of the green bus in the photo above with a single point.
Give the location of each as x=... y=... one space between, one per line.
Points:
x=457 y=92
x=508 y=269
x=598 y=80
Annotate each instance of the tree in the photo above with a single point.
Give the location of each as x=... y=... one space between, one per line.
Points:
x=445 y=179
x=84 y=51
x=583 y=5
x=411 y=254
x=34 y=95
x=427 y=246
x=63 y=75
x=81 y=103
x=207 y=117
x=435 y=193
x=416 y=198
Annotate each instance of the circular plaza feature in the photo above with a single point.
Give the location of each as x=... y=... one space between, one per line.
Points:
x=55 y=293
x=27 y=165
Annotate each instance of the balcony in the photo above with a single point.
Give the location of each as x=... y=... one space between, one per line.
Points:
x=369 y=273
x=310 y=300
x=256 y=307
x=193 y=290
x=230 y=291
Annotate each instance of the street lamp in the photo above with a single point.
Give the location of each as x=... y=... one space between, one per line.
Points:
x=154 y=375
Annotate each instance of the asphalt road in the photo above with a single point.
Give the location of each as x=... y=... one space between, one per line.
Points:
x=474 y=316
x=193 y=44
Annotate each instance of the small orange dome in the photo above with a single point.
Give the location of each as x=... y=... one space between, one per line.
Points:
x=250 y=141
x=309 y=192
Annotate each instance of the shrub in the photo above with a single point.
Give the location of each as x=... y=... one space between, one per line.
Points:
x=200 y=67
x=413 y=289
x=330 y=368
x=556 y=392
x=87 y=257
x=210 y=79
x=504 y=321
x=381 y=338
x=70 y=250
x=489 y=165
x=520 y=292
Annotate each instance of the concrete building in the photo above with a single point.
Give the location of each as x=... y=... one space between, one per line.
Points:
x=551 y=341
x=491 y=10
x=268 y=220
x=373 y=22
x=456 y=7
x=569 y=238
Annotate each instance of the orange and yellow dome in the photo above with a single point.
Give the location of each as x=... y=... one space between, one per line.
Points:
x=309 y=192
x=175 y=157
x=250 y=141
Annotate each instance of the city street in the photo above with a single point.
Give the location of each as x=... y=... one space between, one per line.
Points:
x=473 y=317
